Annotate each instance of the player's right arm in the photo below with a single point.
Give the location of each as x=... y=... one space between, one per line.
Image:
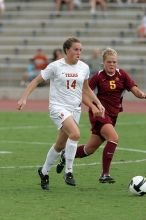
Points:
x=88 y=97
x=31 y=86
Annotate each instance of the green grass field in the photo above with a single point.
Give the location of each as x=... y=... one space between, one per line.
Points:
x=24 y=142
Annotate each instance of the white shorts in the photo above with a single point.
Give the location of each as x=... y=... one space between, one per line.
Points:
x=58 y=115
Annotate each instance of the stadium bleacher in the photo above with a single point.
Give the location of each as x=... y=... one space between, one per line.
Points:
x=29 y=25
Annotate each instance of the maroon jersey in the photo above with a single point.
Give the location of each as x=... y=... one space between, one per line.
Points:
x=110 y=89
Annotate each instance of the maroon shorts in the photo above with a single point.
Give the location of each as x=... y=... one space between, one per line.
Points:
x=98 y=122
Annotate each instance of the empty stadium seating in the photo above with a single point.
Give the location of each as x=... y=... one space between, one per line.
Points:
x=29 y=25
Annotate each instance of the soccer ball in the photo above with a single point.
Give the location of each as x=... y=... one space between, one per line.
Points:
x=137 y=185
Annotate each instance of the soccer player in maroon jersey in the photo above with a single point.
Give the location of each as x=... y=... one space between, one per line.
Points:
x=110 y=84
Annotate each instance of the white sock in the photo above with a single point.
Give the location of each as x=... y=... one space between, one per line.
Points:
x=70 y=151
x=50 y=159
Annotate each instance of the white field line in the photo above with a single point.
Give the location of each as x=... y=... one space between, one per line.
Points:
x=5 y=152
x=114 y=162
x=25 y=142
x=78 y=165
x=47 y=143
x=52 y=126
x=25 y=127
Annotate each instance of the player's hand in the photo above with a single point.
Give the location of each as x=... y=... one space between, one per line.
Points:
x=143 y=95
x=21 y=104
x=101 y=109
x=98 y=111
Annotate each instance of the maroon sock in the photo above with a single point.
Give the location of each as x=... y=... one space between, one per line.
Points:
x=107 y=156
x=80 y=152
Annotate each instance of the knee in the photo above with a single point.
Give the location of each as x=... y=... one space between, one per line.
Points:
x=75 y=136
x=117 y=139
x=90 y=150
x=114 y=138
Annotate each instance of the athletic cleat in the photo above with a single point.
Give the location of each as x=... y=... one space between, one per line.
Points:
x=69 y=179
x=44 y=179
x=61 y=164
x=106 y=179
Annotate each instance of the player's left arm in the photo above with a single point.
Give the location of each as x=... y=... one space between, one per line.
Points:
x=89 y=97
x=138 y=93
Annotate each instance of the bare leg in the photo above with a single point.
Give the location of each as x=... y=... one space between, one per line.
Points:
x=90 y=147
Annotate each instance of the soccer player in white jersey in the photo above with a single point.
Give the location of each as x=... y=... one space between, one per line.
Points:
x=68 y=88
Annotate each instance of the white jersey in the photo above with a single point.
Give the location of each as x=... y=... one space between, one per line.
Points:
x=66 y=83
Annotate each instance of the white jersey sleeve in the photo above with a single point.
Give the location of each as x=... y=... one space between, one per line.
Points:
x=48 y=72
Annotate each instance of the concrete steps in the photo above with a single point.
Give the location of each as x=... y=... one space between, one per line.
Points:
x=29 y=25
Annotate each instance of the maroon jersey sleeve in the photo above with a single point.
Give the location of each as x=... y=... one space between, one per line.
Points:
x=129 y=82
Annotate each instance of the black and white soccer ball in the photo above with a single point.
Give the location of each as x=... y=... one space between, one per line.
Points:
x=137 y=185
